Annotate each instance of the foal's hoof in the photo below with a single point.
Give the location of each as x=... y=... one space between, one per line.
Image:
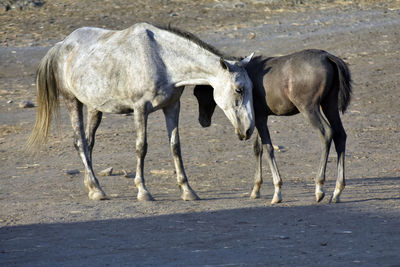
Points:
x=319 y=196
x=144 y=196
x=189 y=195
x=255 y=195
x=97 y=195
x=335 y=199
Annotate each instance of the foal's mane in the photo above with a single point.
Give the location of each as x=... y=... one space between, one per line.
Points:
x=191 y=37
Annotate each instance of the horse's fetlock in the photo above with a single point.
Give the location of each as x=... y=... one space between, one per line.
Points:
x=138 y=181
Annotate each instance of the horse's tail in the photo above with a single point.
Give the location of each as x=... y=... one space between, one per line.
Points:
x=47 y=100
x=344 y=79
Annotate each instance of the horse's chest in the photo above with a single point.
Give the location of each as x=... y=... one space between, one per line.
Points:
x=165 y=96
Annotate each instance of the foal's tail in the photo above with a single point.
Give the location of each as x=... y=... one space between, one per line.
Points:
x=345 y=81
x=47 y=100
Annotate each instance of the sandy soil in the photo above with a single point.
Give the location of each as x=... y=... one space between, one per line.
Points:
x=47 y=219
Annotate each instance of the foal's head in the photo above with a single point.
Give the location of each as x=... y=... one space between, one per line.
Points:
x=233 y=94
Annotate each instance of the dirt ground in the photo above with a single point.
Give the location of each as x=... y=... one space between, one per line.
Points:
x=46 y=218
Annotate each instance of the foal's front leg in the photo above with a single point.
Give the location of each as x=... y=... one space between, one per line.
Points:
x=172 y=118
x=140 y=120
x=262 y=142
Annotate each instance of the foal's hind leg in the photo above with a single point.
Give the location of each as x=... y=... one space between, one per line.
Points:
x=172 y=118
x=316 y=119
x=339 y=138
x=81 y=145
x=263 y=141
x=140 y=120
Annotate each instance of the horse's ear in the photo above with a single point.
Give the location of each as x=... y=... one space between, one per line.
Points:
x=246 y=60
x=223 y=63
x=205 y=98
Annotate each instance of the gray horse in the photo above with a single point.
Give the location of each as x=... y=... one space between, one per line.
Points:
x=305 y=82
x=140 y=69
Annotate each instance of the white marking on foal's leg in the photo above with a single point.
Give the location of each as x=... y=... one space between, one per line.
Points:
x=336 y=194
x=277 y=195
x=319 y=192
x=258 y=151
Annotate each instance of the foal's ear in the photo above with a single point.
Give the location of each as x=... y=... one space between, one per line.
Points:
x=246 y=60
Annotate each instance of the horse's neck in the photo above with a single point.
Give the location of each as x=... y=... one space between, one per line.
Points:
x=192 y=65
x=199 y=72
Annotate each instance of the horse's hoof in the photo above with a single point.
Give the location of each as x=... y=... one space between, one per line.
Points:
x=276 y=199
x=189 y=195
x=319 y=196
x=97 y=195
x=145 y=196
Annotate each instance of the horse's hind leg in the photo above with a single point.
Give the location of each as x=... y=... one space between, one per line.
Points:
x=140 y=120
x=81 y=145
x=263 y=141
x=339 y=138
x=172 y=118
x=93 y=122
x=316 y=119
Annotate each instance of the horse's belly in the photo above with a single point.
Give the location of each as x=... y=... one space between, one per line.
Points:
x=125 y=101
x=112 y=106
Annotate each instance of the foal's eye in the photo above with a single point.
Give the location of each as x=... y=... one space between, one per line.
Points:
x=239 y=90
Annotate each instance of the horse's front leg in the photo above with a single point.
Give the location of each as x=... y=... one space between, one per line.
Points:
x=140 y=120
x=264 y=137
x=172 y=119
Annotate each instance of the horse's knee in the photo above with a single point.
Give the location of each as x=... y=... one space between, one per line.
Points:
x=141 y=149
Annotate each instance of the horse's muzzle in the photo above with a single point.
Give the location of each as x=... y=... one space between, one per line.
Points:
x=245 y=136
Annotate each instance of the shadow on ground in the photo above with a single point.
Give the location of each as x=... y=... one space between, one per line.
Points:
x=308 y=235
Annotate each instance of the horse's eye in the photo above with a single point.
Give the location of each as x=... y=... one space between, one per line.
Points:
x=239 y=90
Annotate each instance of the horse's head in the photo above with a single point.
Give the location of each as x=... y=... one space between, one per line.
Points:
x=233 y=94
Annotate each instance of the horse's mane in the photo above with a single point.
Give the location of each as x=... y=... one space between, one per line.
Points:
x=191 y=37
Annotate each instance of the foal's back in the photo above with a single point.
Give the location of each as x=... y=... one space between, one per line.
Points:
x=289 y=83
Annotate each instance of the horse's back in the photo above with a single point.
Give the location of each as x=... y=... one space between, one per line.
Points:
x=107 y=69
